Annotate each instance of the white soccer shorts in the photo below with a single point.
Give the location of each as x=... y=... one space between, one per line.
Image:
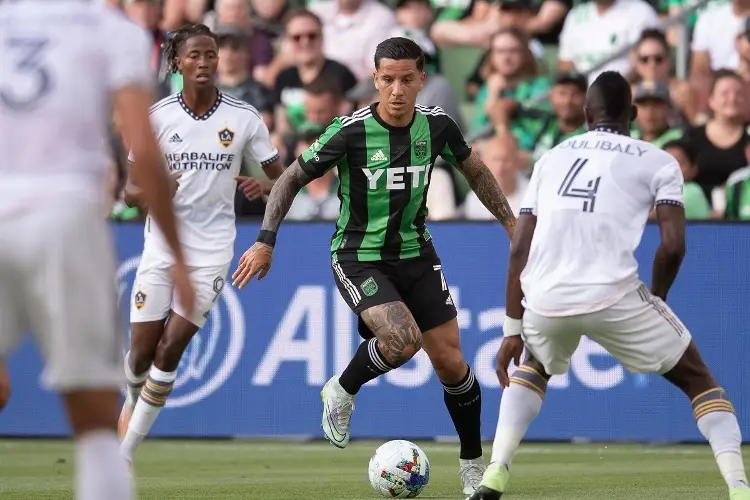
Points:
x=152 y=295
x=57 y=280
x=640 y=331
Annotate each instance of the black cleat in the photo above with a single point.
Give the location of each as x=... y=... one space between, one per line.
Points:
x=485 y=493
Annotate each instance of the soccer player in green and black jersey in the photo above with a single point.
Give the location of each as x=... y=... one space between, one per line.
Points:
x=383 y=260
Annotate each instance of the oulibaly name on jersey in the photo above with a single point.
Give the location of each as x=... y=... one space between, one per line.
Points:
x=612 y=147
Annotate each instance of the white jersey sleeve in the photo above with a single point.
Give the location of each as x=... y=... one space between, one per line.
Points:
x=129 y=53
x=667 y=185
x=258 y=145
x=529 y=203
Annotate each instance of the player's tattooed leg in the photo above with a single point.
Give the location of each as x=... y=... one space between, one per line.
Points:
x=399 y=337
x=485 y=186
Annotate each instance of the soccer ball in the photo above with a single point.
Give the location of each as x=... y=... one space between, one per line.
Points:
x=399 y=469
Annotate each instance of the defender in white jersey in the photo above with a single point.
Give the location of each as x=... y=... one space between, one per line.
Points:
x=57 y=83
x=572 y=272
x=205 y=136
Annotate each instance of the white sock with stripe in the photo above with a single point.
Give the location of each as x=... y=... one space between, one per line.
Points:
x=152 y=399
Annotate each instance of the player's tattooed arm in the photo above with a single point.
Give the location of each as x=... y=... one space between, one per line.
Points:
x=485 y=186
x=256 y=261
x=273 y=172
x=399 y=337
x=282 y=195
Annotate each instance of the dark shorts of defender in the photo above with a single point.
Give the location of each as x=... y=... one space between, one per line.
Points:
x=417 y=282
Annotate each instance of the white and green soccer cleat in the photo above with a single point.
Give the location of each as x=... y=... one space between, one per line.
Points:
x=494 y=483
x=739 y=493
x=338 y=406
x=471 y=472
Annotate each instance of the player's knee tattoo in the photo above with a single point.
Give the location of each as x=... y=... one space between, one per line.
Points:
x=399 y=337
x=532 y=376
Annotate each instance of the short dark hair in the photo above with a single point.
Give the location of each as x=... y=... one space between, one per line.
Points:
x=656 y=35
x=685 y=146
x=177 y=38
x=609 y=97
x=325 y=84
x=722 y=74
x=301 y=12
x=399 y=48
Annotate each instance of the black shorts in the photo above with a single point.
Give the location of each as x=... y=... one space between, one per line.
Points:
x=417 y=282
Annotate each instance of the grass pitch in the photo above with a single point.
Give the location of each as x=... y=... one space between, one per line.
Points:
x=269 y=470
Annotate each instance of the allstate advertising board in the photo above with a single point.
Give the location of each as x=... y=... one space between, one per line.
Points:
x=257 y=367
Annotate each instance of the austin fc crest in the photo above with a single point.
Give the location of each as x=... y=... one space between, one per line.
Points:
x=139 y=299
x=226 y=137
x=369 y=287
x=420 y=149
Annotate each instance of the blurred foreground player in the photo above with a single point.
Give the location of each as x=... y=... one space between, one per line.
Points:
x=572 y=266
x=57 y=265
x=383 y=259
x=205 y=135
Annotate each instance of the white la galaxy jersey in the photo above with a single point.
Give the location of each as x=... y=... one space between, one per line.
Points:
x=208 y=152
x=592 y=195
x=60 y=62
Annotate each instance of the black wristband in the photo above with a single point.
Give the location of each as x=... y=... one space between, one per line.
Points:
x=267 y=237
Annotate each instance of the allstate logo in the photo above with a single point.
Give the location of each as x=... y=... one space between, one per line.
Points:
x=211 y=357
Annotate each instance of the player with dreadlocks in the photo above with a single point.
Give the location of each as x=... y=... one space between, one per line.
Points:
x=206 y=136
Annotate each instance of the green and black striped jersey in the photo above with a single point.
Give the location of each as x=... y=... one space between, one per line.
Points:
x=384 y=174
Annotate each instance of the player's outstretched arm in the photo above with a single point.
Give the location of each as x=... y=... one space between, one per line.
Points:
x=282 y=196
x=669 y=255
x=485 y=186
x=512 y=346
x=257 y=260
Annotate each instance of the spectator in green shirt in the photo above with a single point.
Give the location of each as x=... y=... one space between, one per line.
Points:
x=738 y=193
x=652 y=123
x=696 y=204
x=538 y=131
x=513 y=80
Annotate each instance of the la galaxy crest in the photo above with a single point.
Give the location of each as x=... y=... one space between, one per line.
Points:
x=139 y=299
x=226 y=137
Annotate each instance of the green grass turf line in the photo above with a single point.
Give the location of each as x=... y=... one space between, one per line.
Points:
x=241 y=470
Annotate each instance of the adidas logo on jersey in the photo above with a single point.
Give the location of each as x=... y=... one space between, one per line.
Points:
x=175 y=138
x=379 y=156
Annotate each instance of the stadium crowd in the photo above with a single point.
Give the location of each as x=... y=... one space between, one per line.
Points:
x=512 y=73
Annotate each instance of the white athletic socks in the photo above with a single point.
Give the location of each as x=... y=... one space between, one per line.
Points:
x=135 y=382
x=722 y=431
x=519 y=406
x=101 y=473
x=152 y=399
